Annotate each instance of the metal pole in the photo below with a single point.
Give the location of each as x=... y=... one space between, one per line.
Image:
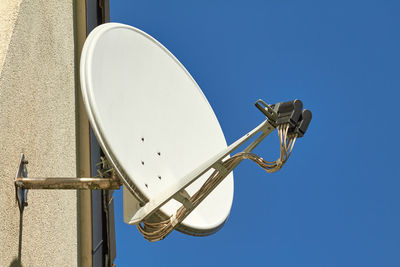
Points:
x=68 y=183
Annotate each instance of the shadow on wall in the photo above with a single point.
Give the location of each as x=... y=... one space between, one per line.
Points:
x=17 y=261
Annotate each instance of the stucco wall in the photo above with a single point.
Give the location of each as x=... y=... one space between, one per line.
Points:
x=37 y=117
x=8 y=14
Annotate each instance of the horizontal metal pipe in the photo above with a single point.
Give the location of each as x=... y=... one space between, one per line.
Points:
x=68 y=183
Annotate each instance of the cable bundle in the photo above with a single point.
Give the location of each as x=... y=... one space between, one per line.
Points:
x=155 y=231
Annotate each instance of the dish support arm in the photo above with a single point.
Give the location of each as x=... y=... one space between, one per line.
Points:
x=177 y=190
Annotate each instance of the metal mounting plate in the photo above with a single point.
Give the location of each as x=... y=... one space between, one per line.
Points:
x=21 y=194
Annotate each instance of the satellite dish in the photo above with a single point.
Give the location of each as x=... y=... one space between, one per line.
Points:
x=153 y=122
x=161 y=137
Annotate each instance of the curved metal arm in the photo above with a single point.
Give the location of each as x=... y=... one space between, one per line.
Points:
x=154 y=204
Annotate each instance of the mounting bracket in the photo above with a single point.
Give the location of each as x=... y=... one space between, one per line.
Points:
x=21 y=194
x=23 y=183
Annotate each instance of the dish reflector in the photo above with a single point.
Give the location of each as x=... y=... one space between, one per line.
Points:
x=152 y=121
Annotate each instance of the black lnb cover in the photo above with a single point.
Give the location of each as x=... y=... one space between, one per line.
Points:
x=306 y=117
x=288 y=112
x=302 y=125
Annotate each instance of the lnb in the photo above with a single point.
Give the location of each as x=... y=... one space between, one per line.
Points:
x=290 y=113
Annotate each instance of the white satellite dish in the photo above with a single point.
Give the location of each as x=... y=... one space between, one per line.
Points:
x=152 y=121
x=161 y=136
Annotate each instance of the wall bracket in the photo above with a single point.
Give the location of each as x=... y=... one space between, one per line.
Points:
x=23 y=183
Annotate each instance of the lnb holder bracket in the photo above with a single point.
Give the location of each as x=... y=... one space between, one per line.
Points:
x=290 y=113
x=23 y=183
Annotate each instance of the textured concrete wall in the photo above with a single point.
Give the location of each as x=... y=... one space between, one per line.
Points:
x=8 y=14
x=37 y=117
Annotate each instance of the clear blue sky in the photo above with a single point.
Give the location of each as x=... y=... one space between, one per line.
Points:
x=337 y=200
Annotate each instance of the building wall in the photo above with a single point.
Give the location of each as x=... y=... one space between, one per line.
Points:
x=37 y=117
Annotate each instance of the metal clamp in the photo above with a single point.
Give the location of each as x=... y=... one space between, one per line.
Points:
x=269 y=112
